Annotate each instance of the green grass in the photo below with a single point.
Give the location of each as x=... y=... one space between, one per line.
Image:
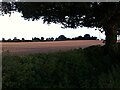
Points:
x=79 y=68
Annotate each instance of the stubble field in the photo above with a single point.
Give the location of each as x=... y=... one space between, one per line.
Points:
x=23 y=48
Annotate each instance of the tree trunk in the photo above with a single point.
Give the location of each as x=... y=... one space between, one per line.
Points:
x=111 y=38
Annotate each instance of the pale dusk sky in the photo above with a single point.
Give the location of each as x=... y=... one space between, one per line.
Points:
x=16 y=26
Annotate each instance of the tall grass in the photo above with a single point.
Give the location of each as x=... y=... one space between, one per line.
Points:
x=79 y=68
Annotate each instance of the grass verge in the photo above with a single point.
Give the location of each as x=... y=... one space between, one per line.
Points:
x=79 y=68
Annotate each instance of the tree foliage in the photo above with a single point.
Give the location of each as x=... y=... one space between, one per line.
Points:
x=70 y=14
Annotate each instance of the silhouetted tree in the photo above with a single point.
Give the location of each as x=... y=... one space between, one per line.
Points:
x=3 y=39
x=35 y=39
x=87 y=36
x=93 y=38
x=16 y=40
x=42 y=38
x=23 y=39
x=61 y=37
x=9 y=40
x=47 y=39
x=80 y=37
x=56 y=39
x=68 y=38
x=52 y=39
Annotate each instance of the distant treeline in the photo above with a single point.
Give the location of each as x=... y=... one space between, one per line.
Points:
x=60 y=38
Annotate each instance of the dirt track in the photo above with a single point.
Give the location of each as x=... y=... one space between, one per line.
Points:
x=22 y=48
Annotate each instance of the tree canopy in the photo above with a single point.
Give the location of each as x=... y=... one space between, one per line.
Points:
x=70 y=14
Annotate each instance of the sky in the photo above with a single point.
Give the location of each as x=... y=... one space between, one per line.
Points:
x=15 y=26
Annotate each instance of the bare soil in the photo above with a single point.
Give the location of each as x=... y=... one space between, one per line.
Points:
x=23 y=48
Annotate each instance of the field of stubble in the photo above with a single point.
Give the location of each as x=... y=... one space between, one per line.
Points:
x=23 y=48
